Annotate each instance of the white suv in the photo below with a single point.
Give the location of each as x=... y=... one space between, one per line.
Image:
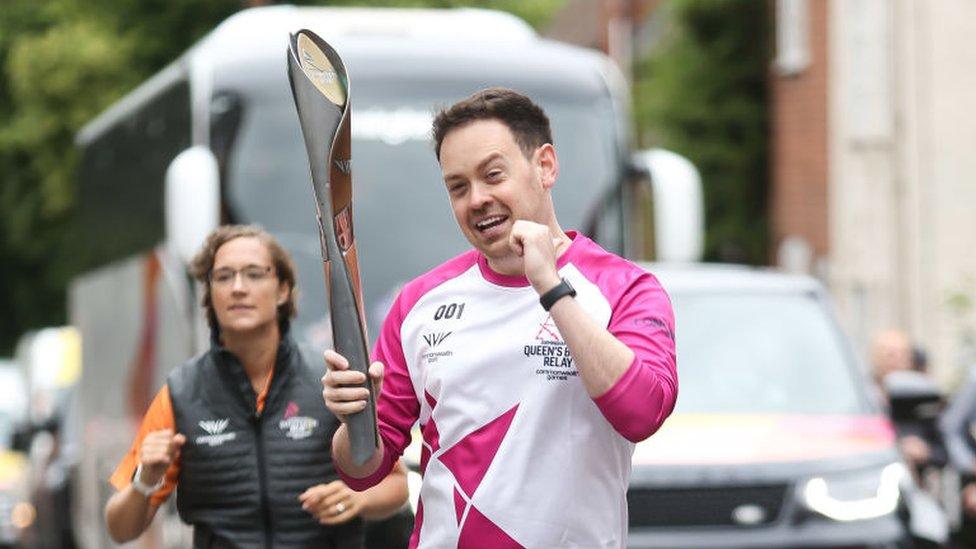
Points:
x=777 y=439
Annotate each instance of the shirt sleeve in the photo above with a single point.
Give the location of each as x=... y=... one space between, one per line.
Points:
x=644 y=396
x=954 y=424
x=158 y=417
x=397 y=408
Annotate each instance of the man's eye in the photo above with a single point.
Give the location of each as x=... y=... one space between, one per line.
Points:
x=222 y=276
x=255 y=273
x=494 y=174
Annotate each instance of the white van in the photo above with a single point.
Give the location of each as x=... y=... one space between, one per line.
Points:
x=778 y=439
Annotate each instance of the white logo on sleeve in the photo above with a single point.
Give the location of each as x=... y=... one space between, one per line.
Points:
x=216 y=435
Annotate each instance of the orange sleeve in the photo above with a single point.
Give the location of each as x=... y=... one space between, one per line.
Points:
x=158 y=417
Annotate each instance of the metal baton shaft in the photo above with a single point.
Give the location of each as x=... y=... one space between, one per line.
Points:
x=320 y=86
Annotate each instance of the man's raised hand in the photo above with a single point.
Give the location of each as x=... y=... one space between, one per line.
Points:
x=534 y=243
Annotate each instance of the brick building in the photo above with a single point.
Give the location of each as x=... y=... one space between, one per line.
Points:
x=873 y=156
x=873 y=139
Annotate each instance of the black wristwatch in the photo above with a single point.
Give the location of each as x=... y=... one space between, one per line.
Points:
x=561 y=290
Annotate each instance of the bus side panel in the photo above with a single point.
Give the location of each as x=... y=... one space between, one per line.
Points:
x=122 y=179
x=134 y=330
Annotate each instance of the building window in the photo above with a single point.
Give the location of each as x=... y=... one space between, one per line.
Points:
x=792 y=37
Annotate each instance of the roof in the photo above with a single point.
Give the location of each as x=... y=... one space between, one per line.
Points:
x=405 y=44
x=445 y=26
x=725 y=278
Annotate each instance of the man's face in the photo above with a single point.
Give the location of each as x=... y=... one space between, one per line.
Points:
x=491 y=183
x=244 y=288
x=892 y=352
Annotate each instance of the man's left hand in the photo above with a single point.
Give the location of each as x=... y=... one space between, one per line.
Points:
x=332 y=503
x=534 y=243
x=915 y=449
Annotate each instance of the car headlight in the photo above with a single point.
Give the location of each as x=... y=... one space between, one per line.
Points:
x=15 y=515
x=22 y=515
x=859 y=495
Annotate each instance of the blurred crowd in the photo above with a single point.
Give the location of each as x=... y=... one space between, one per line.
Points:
x=935 y=431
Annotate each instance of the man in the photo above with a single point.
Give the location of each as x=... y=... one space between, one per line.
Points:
x=958 y=427
x=533 y=362
x=919 y=442
x=241 y=428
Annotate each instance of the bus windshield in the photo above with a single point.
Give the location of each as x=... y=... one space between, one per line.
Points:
x=402 y=220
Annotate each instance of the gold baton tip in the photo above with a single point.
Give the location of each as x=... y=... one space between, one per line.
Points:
x=320 y=70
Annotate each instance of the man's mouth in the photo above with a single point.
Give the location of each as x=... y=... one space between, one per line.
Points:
x=490 y=222
x=240 y=307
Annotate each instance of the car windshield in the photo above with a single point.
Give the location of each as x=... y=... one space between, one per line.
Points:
x=402 y=218
x=761 y=354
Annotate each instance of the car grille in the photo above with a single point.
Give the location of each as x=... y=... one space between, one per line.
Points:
x=713 y=506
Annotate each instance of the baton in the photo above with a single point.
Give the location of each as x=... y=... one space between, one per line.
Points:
x=320 y=86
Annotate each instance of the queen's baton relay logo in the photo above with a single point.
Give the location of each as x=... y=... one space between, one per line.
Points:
x=555 y=362
x=297 y=427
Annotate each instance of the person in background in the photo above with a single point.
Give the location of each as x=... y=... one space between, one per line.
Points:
x=958 y=425
x=919 y=439
x=241 y=430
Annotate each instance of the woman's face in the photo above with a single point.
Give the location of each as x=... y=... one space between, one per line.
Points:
x=244 y=287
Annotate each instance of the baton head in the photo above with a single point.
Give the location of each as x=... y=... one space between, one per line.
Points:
x=320 y=87
x=311 y=53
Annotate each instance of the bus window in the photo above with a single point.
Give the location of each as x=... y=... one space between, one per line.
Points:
x=121 y=178
x=400 y=207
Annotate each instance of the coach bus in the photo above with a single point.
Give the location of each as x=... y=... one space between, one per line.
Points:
x=214 y=138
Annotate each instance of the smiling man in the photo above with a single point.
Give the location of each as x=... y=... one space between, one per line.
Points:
x=533 y=362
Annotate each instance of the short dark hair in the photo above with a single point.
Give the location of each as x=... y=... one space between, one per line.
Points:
x=526 y=120
x=284 y=267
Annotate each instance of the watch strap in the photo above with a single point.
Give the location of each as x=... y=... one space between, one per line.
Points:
x=145 y=489
x=559 y=291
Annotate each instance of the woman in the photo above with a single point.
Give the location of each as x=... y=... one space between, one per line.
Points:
x=242 y=428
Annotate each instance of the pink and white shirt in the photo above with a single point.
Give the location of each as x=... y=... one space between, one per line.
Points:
x=515 y=453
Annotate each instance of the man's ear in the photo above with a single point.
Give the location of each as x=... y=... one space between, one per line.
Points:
x=548 y=165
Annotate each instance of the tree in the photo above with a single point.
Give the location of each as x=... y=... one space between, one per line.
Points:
x=63 y=62
x=703 y=93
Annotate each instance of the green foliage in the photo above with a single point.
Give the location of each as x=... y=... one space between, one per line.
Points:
x=703 y=94
x=63 y=62
x=536 y=12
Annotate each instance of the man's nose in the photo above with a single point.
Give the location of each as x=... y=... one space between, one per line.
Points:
x=480 y=196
